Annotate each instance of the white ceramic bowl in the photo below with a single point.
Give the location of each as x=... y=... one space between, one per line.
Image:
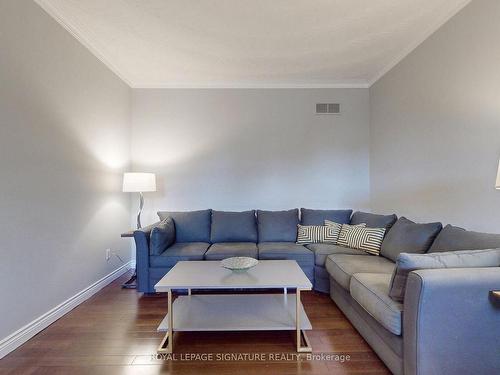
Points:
x=239 y=264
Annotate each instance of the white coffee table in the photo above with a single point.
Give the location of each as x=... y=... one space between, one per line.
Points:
x=235 y=312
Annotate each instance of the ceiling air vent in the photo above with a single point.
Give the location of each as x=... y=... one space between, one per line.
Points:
x=327 y=108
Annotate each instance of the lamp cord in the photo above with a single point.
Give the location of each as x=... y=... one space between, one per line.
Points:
x=119 y=257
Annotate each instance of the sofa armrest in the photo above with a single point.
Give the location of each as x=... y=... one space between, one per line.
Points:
x=141 y=237
x=449 y=324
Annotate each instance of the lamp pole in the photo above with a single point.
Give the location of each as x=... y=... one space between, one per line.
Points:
x=141 y=205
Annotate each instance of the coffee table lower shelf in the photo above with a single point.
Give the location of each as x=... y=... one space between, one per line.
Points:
x=237 y=312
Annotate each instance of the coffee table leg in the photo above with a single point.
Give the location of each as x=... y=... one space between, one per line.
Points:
x=167 y=344
x=300 y=334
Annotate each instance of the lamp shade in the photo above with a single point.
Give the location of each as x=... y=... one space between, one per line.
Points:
x=139 y=182
x=497 y=184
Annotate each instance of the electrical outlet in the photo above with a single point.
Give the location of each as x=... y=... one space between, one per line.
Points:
x=108 y=254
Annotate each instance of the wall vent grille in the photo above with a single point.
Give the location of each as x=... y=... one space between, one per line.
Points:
x=327 y=108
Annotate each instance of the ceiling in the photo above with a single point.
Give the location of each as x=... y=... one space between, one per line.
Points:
x=251 y=43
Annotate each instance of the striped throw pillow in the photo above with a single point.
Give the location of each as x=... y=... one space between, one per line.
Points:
x=359 y=237
x=318 y=233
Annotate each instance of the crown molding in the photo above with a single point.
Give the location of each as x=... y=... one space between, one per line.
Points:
x=246 y=85
x=357 y=84
x=411 y=47
x=78 y=35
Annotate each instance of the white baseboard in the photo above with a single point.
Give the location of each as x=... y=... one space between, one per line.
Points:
x=23 y=334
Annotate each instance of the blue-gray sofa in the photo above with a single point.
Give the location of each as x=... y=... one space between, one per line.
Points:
x=446 y=323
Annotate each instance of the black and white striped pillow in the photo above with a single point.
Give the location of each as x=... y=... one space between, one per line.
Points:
x=318 y=233
x=362 y=238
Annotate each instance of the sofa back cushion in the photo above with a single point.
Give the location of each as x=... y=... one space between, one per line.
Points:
x=190 y=226
x=406 y=236
x=453 y=259
x=454 y=238
x=162 y=236
x=373 y=220
x=233 y=226
x=318 y=217
x=277 y=226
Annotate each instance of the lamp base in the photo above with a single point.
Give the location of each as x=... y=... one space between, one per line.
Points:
x=131 y=283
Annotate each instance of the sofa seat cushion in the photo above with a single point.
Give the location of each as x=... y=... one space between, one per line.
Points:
x=341 y=267
x=322 y=250
x=179 y=251
x=370 y=291
x=223 y=250
x=286 y=250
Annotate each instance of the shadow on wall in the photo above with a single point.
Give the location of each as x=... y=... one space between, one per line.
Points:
x=62 y=185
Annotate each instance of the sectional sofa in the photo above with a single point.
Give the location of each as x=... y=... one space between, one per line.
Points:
x=215 y=235
x=446 y=323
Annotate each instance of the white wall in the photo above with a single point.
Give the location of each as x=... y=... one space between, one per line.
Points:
x=236 y=149
x=435 y=125
x=64 y=142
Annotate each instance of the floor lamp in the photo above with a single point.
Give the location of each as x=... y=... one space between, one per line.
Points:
x=138 y=183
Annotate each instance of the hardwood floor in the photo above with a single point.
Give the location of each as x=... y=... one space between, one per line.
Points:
x=114 y=332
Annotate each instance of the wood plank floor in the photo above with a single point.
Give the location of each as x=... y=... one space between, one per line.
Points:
x=114 y=332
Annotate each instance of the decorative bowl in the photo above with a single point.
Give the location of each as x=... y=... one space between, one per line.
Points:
x=239 y=264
